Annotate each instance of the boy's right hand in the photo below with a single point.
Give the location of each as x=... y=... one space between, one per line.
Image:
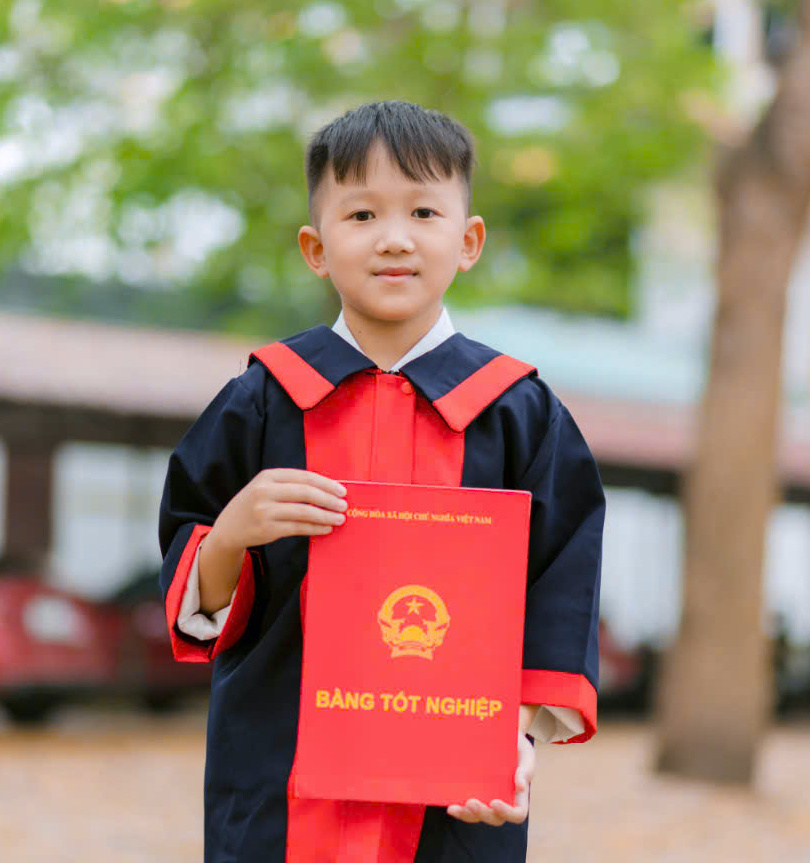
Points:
x=276 y=503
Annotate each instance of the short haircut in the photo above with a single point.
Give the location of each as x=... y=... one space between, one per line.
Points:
x=426 y=144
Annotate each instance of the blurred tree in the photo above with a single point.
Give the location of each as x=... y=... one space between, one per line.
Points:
x=716 y=687
x=159 y=142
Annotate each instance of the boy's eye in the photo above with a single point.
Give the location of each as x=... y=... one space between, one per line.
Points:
x=424 y=212
x=362 y=215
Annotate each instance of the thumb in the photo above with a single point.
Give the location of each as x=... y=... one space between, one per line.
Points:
x=521 y=779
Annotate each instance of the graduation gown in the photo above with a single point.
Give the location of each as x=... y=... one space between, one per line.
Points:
x=461 y=414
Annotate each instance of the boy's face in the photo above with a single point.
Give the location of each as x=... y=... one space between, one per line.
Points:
x=391 y=246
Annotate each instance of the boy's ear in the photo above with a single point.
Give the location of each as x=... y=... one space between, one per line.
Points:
x=309 y=241
x=474 y=237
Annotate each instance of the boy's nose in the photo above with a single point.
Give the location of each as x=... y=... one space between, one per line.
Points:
x=394 y=239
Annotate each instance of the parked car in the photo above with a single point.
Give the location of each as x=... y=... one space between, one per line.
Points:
x=791 y=670
x=626 y=676
x=56 y=647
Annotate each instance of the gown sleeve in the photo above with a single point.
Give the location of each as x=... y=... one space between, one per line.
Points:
x=216 y=458
x=561 y=646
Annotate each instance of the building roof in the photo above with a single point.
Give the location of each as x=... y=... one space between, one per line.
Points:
x=77 y=364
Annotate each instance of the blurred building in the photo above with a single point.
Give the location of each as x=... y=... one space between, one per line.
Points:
x=88 y=413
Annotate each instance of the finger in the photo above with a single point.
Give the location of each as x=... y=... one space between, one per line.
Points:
x=303 y=512
x=523 y=776
x=513 y=814
x=484 y=813
x=462 y=813
x=289 y=474
x=526 y=763
x=302 y=528
x=295 y=492
x=530 y=768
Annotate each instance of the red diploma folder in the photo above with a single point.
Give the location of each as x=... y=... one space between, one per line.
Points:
x=413 y=639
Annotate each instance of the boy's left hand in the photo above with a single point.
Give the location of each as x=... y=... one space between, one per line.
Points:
x=498 y=812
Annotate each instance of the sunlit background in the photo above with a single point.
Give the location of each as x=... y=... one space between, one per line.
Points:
x=151 y=187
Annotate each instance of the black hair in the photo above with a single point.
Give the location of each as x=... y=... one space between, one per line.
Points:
x=426 y=144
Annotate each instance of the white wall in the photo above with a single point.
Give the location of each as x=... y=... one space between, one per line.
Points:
x=106 y=501
x=642 y=561
x=788 y=571
x=641 y=566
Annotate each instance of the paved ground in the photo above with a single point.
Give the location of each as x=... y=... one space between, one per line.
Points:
x=104 y=784
x=603 y=804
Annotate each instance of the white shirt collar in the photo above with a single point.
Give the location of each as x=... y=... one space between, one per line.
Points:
x=438 y=333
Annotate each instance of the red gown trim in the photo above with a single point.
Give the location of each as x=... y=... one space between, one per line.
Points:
x=471 y=397
x=186 y=650
x=562 y=689
x=303 y=384
x=242 y=605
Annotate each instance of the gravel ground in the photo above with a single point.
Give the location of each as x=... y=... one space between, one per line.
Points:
x=105 y=784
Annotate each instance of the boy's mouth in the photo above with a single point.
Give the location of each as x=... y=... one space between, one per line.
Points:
x=395 y=271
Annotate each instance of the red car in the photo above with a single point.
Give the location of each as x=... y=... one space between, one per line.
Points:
x=56 y=647
x=625 y=676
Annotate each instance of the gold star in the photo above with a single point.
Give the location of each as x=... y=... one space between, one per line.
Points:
x=413 y=606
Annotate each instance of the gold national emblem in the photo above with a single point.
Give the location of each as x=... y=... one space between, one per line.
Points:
x=413 y=621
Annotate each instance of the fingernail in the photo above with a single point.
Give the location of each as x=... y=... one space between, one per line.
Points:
x=342 y=489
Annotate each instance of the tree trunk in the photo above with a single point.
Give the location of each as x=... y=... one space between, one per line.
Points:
x=715 y=693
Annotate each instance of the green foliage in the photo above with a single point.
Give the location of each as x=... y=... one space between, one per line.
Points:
x=188 y=106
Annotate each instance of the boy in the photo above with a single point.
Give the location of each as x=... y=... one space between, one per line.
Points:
x=389 y=394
